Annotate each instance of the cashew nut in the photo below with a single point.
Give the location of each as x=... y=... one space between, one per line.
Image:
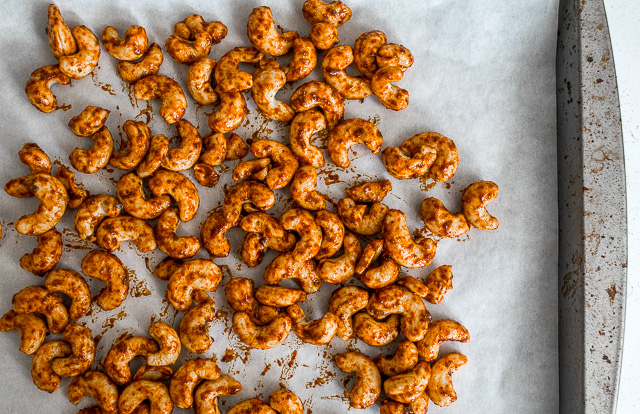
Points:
x=166 y=267
x=131 y=195
x=393 y=299
x=303 y=126
x=114 y=230
x=83 y=352
x=392 y=54
x=158 y=150
x=368 y=383
x=32 y=329
x=303 y=61
x=131 y=72
x=46 y=255
x=259 y=195
x=38 y=87
x=344 y=303
x=180 y=188
x=200 y=274
x=133 y=46
x=434 y=288
x=332 y=233
x=340 y=269
x=89 y=161
x=256 y=169
x=263 y=34
x=365 y=51
x=61 y=41
x=379 y=276
x=153 y=373
x=35 y=159
x=169 y=342
x=437 y=333
x=134 y=148
x=81 y=63
x=195 y=23
x=199 y=81
x=215 y=149
x=174 y=102
x=230 y=112
x=401 y=247
x=334 y=70
x=240 y=296
x=213 y=234
x=279 y=296
x=440 y=221
x=254 y=246
x=228 y=77
x=410 y=385
x=390 y=96
x=205 y=175
x=440 y=388
x=403 y=165
x=108 y=268
x=303 y=223
x=303 y=189
x=446 y=162
x=43 y=376
x=324 y=36
x=189 y=375
x=374 y=332
x=178 y=247
x=358 y=220
x=236 y=148
x=194 y=328
x=187 y=51
x=369 y=192
x=262 y=223
x=474 y=199
x=251 y=406
x=261 y=337
x=285 y=161
x=286 y=402
x=89 y=121
x=404 y=359
x=37 y=299
x=70 y=283
x=76 y=194
x=136 y=392
x=335 y=13
x=99 y=387
x=205 y=398
x=316 y=332
x=92 y=211
x=319 y=94
x=352 y=132
x=116 y=363
x=418 y=406
x=268 y=79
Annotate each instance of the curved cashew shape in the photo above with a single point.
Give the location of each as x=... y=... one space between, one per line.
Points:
x=61 y=40
x=319 y=94
x=401 y=247
x=285 y=161
x=174 y=102
x=205 y=398
x=414 y=317
x=180 y=188
x=81 y=63
x=440 y=388
x=38 y=87
x=99 y=387
x=440 y=221
x=358 y=220
x=228 y=77
x=133 y=46
x=332 y=233
x=116 y=363
x=230 y=112
x=340 y=269
x=407 y=387
x=368 y=384
x=446 y=162
x=474 y=199
x=303 y=189
x=402 y=165
x=205 y=175
x=185 y=379
x=263 y=34
x=334 y=65
x=365 y=51
x=268 y=79
x=374 y=332
x=240 y=296
x=158 y=150
x=70 y=283
x=134 y=148
x=335 y=13
x=279 y=296
x=352 y=132
x=404 y=359
x=187 y=51
x=434 y=288
x=136 y=392
x=32 y=329
x=92 y=160
x=108 y=268
x=256 y=169
x=194 y=328
x=76 y=194
x=369 y=192
x=392 y=54
x=437 y=333
x=89 y=121
x=169 y=342
x=37 y=299
x=379 y=276
x=213 y=234
x=131 y=194
x=35 y=158
x=200 y=274
x=251 y=406
x=177 y=247
x=92 y=211
x=390 y=96
x=344 y=303
x=215 y=149
x=324 y=36
x=303 y=61
x=254 y=246
x=261 y=337
x=83 y=352
x=185 y=156
x=236 y=148
x=114 y=230
x=317 y=332
x=286 y=402
x=303 y=223
x=46 y=255
x=131 y=72
x=259 y=195
x=193 y=24
x=153 y=373
x=303 y=126
x=199 y=81
x=43 y=376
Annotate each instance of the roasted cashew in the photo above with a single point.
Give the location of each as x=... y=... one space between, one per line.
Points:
x=390 y=96
x=38 y=87
x=199 y=81
x=200 y=274
x=215 y=149
x=46 y=255
x=178 y=247
x=358 y=220
x=136 y=392
x=194 y=328
x=108 y=268
x=174 y=102
x=418 y=406
x=116 y=363
x=414 y=317
x=166 y=267
x=285 y=266
x=83 y=352
x=43 y=376
x=213 y=234
x=240 y=296
x=180 y=188
x=279 y=296
x=254 y=246
x=261 y=337
x=317 y=332
x=401 y=247
x=158 y=150
x=188 y=376
x=262 y=223
x=440 y=388
x=76 y=194
x=205 y=398
x=114 y=230
x=169 y=342
x=352 y=132
x=335 y=13
x=369 y=192
x=376 y=277
x=99 y=387
x=410 y=385
x=303 y=223
x=70 y=283
x=446 y=162
x=474 y=199
x=89 y=161
x=303 y=61
x=133 y=46
x=319 y=94
x=365 y=51
x=134 y=148
x=440 y=221
x=195 y=23
x=187 y=51
x=344 y=303
x=259 y=195
x=268 y=79
x=35 y=158
x=32 y=329
x=324 y=36
x=368 y=383
x=81 y=63
x=131 y=194
x=89 y=121
x=205 y=175
x=404 y=359
x=402 y=165
x=434 y=288
x=236 y=148
x=303 y=126
x=286 y=402
x=285 y=161
x=340 y=269
x=334 y=65
x=251 y=406
x=228 y=77
x=230 y=112
x=184 y=156
x=37 y=299
x=263 y=34
x=61 y=40
x=332 y=233
x=303 y=189
x=131 y=72
x=374 y=332
x=392 y=54
x=437 y=333
x=255 y=169
x=153 y=373
x=92 y=211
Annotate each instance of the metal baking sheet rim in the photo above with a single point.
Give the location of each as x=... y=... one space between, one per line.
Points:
x=592 y=266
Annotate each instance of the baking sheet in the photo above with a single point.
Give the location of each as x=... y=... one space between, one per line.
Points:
x=484 y=75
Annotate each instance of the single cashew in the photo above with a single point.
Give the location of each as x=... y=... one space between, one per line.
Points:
x=285 y=266
x=344 y=303
x=184 y=156
x=446 y=162
x=303 y=61
x=401 y=247
x=390 y=96
x=324 y=36
x=205 y=175
x=437 y=333
x=402 y=165
x=133 y=46
x=153 y=373
x=316 y=332
x=92 y=211
x=303 y=223
x=81 y=63
x=136 y=392
x=474 y=199
x=285 y=161
x=368 y=383
x=403 y=360
x=372 y=251
x=407 y=387
x=70 y=283
x=180 y=188
x=438 y=283
x=174 y=102
x=116 y=363
x=440 y=221
x=76 y=194
x=215 y=149
x=392 y=54
x=440 y=388
x=303 y=126
x=194 y=328
x=131 y=72
x=166 y=267
x=205 y=398
x=236 y=148
x=108 y=268
x=259 y=195
x=37 y=299
x=132 y=150
x=213 y=234
x=83 y=352
x=61 y=40
x=38 y=87
x=251 y=406
x=199 y=81
x=193 y=24
x=92 y=160
x=35 y=158
x=261 y=337
x=193 y=274
x=240 y=296
x=178 y=247
x=365 y=51
x=99 y=387
x=268 y=79
x=187 y=51
x=43 y=376
x=286 y=402
x=303 y=189
x=230 y=112
x=332 y=233
x=32 y=329
x=188 y=376
x=369 y=192
x=158 y=150
x=114 y=230
x=358 y=220
x=228 y=77
x=263 y=34
x=255 y=169
x=169 y=342
x=352 y=132
x=376 y=277
x=414 y=317
x=340 y=269
x=131 y=195
x=374 y=332
x=319 y=94
x=254 y=246
x=46 y=255
x=279 y=296
x=334 y=70
x=262 y=223
x=89 y=121
x=335 y=13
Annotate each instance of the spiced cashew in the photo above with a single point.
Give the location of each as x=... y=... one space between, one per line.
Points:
x=319 y=94
x=344 y=303
x=71 y=284
x=134 y=148
x=92 y=211
x=358 y=219
x=240 y=295
x=205 y=398
x=227 y=74
x=404 y=359
x=440 y=388
x=474 y=199
x=401 y=247
x=116 y=363
x=438 y=332
x=37 y=299
x=194 y=328
x=81 y=63
x=373 y=332
x=180 y=188
x=158 y=150
x=303 y=223
x=138 y=391
x=316 y=332
x=408 y=386
x=268 y=79
x=446 y=162
x=213 y=234
x=324 y=35
x=199 y=274
x=131 y=47
x=131 y=195
x=303 y=189
x=369 y=192
x=437 y=284
x=131 y=72
x=285 y=162
x=43 y=376
x=340 y=269
x=178 y=247
x=108 y=268
x=303 y=61
x=259 y=195
x=38 y=87
x=351 y=132
x=174 y=102
x=46 y=255
x=394 y=299
x=91 y=160
x=391 y=96
x=303 y=126
x=99 y=387
x=199 y=81
x=230 y=112
x=89 y=121
x=365 y=51
x=368 y=383
x=335 y=13
x=61 y=40
x=263 y=34
x=261 y=337
x=334 y=70
x=31 y=327
x=114 y=230
x=83 y=352
x=169 y=342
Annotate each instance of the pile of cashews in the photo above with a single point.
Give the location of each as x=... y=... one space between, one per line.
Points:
x=308 y=237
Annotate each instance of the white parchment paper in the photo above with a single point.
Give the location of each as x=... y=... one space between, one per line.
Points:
x=484 y=75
